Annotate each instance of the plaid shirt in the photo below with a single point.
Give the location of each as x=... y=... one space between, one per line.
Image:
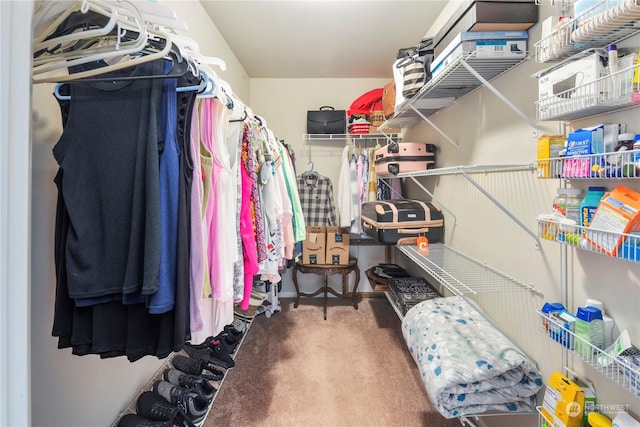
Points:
x=316 y=197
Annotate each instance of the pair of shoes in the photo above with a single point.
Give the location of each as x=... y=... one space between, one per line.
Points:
x=193 y=383
x=191 y=366
x=232 y=332
x=213 y=352
x=153 y=410
x=194 y=406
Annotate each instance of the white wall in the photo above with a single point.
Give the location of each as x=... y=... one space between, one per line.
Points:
x=284 y=104
x=68 y=390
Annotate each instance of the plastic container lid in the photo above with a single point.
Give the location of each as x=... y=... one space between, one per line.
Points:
x=570 y=191
x=627 y=137
x=589 y=314
x=613 y=47
x=598 y=420
x=549 y=307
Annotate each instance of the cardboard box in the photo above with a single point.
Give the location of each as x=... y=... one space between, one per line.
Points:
x=313 y=247
x=575 y=79
x=618 y=213
x=337 y=252
x=468 y=36
x=516 y=48
x=582 y=143
x=549 y=147
x=563 y=401
x=514 y=15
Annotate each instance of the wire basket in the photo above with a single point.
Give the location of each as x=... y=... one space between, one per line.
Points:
x=376 y=118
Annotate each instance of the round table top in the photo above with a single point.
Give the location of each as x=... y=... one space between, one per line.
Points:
x=352 y=263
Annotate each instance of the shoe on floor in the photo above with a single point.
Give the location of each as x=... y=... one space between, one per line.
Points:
x=193 y=383
x=154 y=407
x=195 y=367
x=214 y=353
x=234 y=334
x=193 y=405
x=134 y=420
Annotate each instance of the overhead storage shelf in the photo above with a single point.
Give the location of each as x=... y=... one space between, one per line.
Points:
x=454 y=82
x=343 y=136
x=461 y=274
x=454 y=170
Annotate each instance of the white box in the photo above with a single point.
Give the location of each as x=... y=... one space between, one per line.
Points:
x=573 y=79
x=484 y=49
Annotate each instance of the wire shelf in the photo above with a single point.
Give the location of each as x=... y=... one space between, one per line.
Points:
x=454 y=170
x=610 y=93
x=618 y=165
x=623 y=246
x=451 y=84
x=461 y=274
x=623 y=370
x=343 y=136
x=607 y=22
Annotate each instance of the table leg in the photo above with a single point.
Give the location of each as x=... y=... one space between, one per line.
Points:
x=354 y=294
x=326 y=285
x=294 y=276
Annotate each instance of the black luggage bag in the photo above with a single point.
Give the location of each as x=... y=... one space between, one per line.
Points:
x=379 y=275
x=401 y=222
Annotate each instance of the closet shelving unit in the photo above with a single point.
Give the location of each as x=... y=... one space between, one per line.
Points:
x=583 y=102
x=377 y=137
x=461 y=274
x=466 y=172
x=462 y=76
x=616 y=369
x=604 y=23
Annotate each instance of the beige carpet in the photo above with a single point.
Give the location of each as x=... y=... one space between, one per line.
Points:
x=353 y=369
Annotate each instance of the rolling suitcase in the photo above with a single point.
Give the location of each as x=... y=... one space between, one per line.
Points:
x=405 y=157
x=400 y=222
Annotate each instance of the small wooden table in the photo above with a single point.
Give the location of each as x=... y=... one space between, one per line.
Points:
x=327 y=270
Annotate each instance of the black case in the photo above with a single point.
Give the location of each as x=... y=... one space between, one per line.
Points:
x=400 y=222
x=327 y=121
x=409 y=291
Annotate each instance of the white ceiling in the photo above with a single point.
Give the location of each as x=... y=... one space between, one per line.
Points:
x=321 y=39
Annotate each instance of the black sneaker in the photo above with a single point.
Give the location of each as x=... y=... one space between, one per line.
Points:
x=154 y=407
x=234 y=333
x=195 y=367
x=193 y=405
x=214 y=353
x=134 y=420
x=193 y=383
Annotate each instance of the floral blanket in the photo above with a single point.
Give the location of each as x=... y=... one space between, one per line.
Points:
x=467 y=365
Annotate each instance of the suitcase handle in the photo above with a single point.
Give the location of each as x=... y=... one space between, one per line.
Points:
x=413 y=230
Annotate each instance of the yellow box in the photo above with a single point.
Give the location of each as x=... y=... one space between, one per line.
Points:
x=337 y=246
x=549 y=147
x=313 y=247
x=563 y=401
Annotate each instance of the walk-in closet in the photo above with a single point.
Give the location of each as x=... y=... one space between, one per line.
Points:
x=320 y=213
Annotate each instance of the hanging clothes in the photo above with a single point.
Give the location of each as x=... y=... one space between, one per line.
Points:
x=316 y=200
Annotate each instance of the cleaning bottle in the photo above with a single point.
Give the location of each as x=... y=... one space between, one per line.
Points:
x=590 y=328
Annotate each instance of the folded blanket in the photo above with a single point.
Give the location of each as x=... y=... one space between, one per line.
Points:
x=467 y=365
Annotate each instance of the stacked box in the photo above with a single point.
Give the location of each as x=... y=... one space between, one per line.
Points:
x=337 y=246
x=406 y=292
x=313 y=247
